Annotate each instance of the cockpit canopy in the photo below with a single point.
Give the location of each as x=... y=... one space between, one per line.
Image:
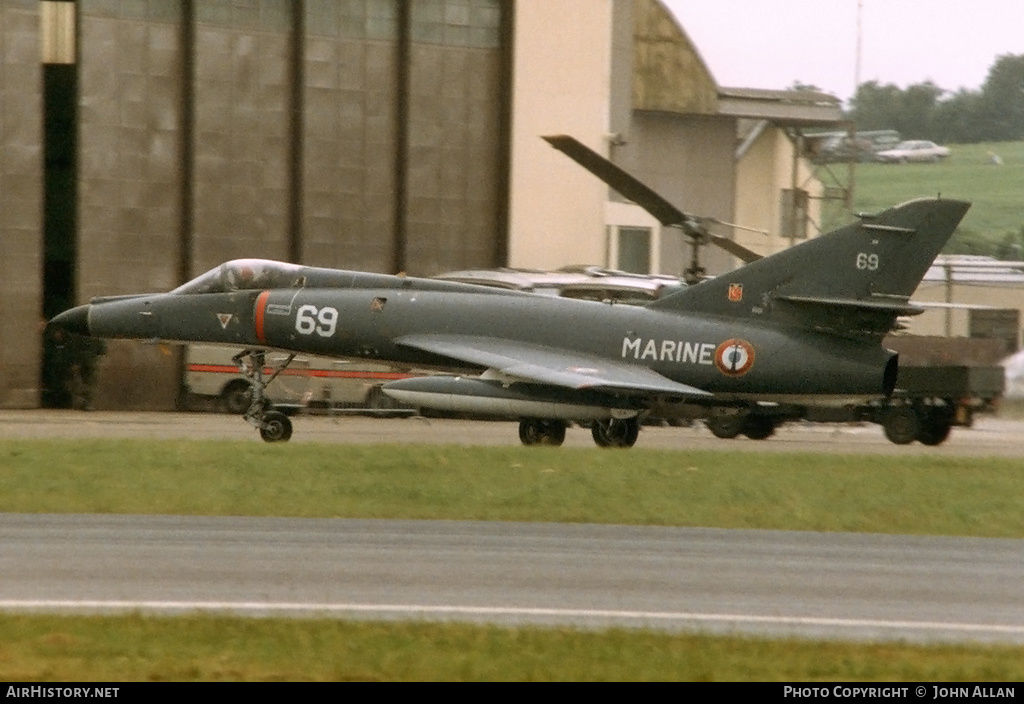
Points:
x=245 y=275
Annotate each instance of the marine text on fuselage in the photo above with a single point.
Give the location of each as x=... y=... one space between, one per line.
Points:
x=668 y=351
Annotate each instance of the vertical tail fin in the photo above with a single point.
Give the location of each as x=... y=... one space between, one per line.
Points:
x=855 y=280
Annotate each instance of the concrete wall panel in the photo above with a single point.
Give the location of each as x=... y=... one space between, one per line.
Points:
x=129 y=133
x=242 y=129
x=689 y=161
x=21 y=256
x=562 y=85
x=348 y=163
x=129 y=181
x=454 y=157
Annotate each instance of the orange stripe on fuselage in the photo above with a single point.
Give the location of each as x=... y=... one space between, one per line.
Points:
x=261 y=309
x=313 y=373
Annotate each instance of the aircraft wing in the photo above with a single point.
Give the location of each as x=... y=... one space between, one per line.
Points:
x=549 y=365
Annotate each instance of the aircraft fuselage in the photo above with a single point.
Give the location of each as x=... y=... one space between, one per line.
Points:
x=720 y=355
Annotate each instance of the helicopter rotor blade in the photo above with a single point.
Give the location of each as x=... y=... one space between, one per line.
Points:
x=641 y=194
x=737 y=250
x=623 y=182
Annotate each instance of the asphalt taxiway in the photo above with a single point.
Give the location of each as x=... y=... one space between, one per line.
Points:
x=830 y=585
x=845 y=586
x=989 y=437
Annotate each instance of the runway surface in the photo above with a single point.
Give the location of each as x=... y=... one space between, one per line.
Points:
x=845 y=586
x=755 y=582
x=990 y=436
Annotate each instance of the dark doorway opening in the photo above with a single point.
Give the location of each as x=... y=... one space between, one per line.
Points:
x=60 y=100
x=60 y=105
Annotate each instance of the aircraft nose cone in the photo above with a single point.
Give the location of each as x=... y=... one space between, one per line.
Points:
x=75 y=320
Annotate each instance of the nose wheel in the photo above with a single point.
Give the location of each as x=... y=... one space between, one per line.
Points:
x=273 y=425
x=276 y=427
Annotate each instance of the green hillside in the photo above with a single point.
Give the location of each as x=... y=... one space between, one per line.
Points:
x=997 y=192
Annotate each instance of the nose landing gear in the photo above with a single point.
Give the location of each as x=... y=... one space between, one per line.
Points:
x=273 y=425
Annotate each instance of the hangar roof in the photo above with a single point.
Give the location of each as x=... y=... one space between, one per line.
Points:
x=669 y=75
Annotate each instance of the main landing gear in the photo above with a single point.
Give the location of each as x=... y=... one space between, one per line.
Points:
x=614 y=432
x=273 y=425
x=929 y=424
x=541 y=431
x=755 y=427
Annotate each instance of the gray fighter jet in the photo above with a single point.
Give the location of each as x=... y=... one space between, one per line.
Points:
x=801 y=326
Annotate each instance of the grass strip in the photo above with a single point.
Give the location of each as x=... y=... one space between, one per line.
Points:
x=139 y=648
x=924 y=495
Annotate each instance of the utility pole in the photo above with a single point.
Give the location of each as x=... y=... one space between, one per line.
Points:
x=853 y=127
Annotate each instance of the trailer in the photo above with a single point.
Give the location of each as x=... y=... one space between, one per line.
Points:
x=929 y=401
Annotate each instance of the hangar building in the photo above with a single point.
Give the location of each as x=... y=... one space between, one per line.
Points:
x=145 y=141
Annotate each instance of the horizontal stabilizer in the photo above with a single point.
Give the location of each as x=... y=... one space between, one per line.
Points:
x=876 y=306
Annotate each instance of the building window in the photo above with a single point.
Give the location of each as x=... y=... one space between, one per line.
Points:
x=631 y=247
x=794 y=215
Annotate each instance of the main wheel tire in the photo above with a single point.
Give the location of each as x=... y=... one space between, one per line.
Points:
x=901 y=425
x=934 y=433
x=276 y=427
x=615 y=432
x=725 y=427
x=539 y=431
x=936 y=421
x=759 y=427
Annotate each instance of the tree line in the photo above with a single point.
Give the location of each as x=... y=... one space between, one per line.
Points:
x=994 y=113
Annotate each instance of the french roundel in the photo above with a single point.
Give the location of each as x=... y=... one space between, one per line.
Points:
x=734 y=357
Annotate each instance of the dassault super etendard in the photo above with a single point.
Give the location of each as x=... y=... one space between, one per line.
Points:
x=804 y=325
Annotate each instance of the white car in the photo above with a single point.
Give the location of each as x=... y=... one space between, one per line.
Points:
x=914 y=150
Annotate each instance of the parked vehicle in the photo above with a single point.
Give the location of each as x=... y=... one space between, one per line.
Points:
x=830 y=147
x=308 y=382
x=843 y=148
x=929 y=402
x=930 y=398
x=918 y=150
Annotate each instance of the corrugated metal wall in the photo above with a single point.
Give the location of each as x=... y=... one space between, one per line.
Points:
x=361 y=131
x=365 y=134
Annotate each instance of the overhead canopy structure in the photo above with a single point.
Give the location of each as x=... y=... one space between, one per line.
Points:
x=669 y=75
x=786 y=108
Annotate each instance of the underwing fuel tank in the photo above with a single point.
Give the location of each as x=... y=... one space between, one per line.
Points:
x=490 y=397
